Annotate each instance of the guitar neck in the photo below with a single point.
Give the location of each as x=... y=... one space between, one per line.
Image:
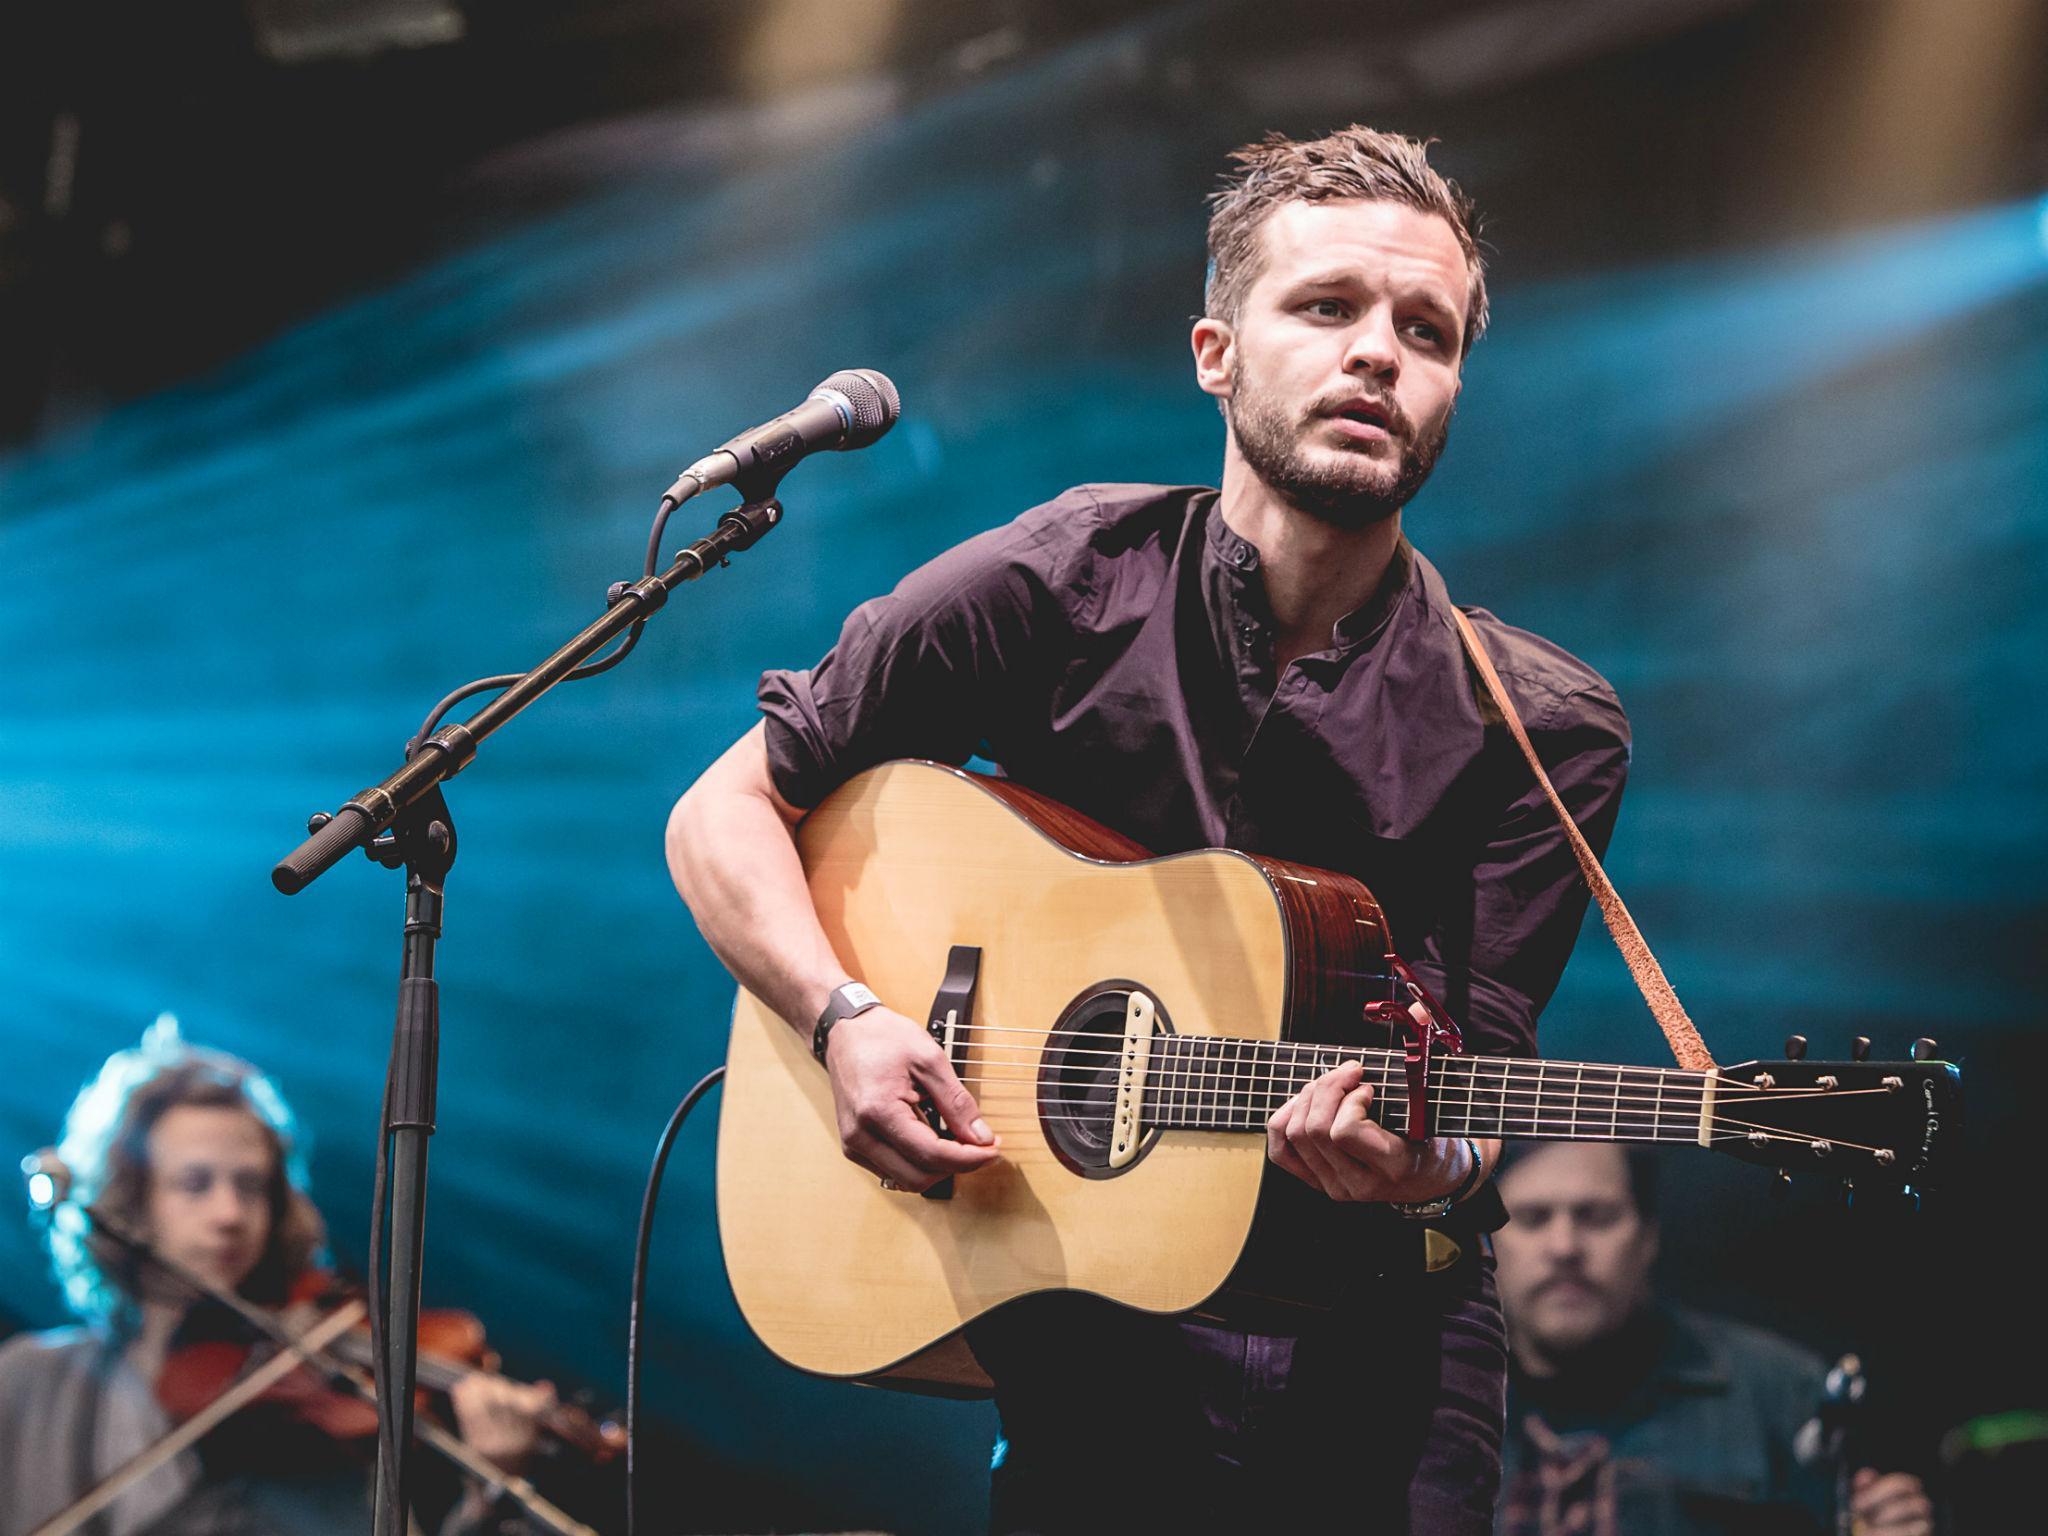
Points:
x=1221 y=1083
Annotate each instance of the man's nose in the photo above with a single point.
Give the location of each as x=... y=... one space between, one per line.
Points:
x=1374 y=351
x=1563 y=1237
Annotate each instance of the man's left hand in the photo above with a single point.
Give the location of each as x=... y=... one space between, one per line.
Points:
x=1890 y=1504
x=499 y=1418
x=1325 y=1138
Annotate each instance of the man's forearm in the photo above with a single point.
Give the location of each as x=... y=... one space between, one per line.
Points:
x=734 y=861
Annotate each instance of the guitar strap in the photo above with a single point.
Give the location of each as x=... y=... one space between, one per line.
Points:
x=1684 y=1039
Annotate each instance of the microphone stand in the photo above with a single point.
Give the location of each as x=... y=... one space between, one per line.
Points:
x=422 y=839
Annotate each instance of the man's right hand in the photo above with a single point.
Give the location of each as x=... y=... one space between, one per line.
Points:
x=883 y=1067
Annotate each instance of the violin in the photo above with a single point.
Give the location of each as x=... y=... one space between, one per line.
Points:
x=206 y=1381
x=451 y=1344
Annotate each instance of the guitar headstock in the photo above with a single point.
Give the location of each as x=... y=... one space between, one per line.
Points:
x=1875 y=1124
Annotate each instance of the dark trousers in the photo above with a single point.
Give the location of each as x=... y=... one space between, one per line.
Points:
x=1384 y=1419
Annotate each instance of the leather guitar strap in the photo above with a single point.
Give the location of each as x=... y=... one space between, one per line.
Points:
x=1684 y=1039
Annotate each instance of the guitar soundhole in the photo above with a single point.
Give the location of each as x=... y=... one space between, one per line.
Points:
x=1077 y=1079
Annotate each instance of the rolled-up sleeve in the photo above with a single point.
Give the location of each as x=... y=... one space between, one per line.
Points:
x=945 y=663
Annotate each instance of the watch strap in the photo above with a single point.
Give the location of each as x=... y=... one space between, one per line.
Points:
x=844 y=1003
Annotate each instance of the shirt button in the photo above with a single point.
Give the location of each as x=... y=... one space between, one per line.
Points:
x=1241 y=558
x=1247 y=632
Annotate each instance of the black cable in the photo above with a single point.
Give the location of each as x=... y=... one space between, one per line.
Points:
x=376 y=1301
x=661 y=1151
x=587 y=669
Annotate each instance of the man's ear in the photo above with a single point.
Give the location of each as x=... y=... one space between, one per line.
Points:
x=1215 y=349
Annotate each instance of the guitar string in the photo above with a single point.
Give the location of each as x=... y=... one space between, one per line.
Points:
x=1211 y=1069
x=1531 y=1116
x=1689 y=1080
x=1685 y=1131
x=1305 y=1045
x=1507 y=1124
x=1393 y=1094
x=1770 y=1134
x=1513 y=1069
x=1202 y=1070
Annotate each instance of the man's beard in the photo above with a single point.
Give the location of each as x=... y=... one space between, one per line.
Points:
x=1348 y=490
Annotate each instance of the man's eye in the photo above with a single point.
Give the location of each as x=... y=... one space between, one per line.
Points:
x=1425 y=331
x=1328 y=309
x=251 y=1186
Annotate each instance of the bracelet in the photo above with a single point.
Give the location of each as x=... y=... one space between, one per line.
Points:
x=1429 y=1210
x=844 y=1003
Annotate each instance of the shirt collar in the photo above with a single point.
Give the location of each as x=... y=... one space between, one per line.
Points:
x=1238 y=559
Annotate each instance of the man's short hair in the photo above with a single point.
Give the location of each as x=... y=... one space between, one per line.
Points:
x=1642 y=1170
x=105 y=1147
x=1354 y=163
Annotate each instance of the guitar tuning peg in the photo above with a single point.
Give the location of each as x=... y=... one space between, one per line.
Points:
x=1848 y=1194
x=1924 y=1049
x=1912 y=1198
x=1781 y=1186
x=1795 y=1047
x=1859 y=1048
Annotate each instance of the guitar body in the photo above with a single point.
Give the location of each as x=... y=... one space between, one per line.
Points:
x=842 y=1278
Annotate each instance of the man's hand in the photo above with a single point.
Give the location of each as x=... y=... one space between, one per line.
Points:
x=1324 y=1137
x=882 y=1065
x=501 y=1419
x=1891 y=1504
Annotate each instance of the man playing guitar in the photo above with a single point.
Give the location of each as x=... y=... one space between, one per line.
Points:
x=1269 y=667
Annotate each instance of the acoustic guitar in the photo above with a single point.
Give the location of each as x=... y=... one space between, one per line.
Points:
x=1127 y=1024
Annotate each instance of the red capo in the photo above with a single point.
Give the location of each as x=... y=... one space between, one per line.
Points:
x=1418 y=1038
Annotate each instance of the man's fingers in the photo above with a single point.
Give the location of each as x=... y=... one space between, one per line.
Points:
x=898 y=1128
x=1280 y=1131
x=1358 y=1135
x=1894 y=1504
x=1289 y=1161
x=1320 y=1128
x=1327 y=1092
x=954 y=1103
x=1336 y=1173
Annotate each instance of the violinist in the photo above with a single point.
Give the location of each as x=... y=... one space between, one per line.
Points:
x=196 y=1152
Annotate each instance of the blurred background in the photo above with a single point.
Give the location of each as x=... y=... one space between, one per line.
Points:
x=346 y=345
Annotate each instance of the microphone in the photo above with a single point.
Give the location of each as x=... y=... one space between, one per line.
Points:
x=851 y=409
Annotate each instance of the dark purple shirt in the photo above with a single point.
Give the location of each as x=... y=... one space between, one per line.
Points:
x=1113 y=648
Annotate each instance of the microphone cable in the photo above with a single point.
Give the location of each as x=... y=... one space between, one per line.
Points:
x=868 y=406
x=640 y=1246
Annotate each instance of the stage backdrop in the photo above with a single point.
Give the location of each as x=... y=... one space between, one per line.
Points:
x=1788 y=494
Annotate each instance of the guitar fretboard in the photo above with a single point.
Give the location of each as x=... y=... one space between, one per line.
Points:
x=1219 y=1083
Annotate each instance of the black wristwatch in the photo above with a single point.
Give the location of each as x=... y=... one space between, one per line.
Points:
x=844 y=1003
